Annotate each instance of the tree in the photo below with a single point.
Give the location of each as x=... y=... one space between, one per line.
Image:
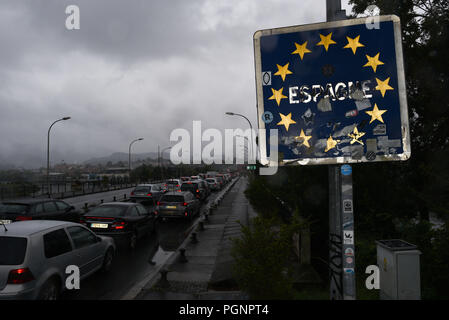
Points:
x=423 y=181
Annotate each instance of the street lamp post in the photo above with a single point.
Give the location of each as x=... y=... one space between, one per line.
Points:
x=48 y=154
x=250 y=126
x=129 y=156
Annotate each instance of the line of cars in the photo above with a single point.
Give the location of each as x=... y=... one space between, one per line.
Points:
x=179 y=198
x=40 y=238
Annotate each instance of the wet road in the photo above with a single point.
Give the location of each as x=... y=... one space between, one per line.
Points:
x=130 y=267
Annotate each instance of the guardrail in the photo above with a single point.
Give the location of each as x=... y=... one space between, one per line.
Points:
x=60 y=190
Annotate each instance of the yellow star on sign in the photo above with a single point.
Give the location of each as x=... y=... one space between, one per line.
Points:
x=353 y=44
x=301 y=49
x=376 y=114
x=286 y=120
x=373 y=62
x=305 y=139
x=331 y=143
x=356 y=135
x=283 y=71
x=277 y=95
x=326 y=41
x=383 y=86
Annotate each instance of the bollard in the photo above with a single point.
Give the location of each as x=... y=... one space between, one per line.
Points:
x=182 y=256
x=124 y=196
x=101 y=200
x=206 y=217
x=85 y=207
x=115 y=199
x=193 y=238
x=163 y=282
x=201 y=225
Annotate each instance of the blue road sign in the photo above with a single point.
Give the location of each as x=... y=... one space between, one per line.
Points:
x=336 y=91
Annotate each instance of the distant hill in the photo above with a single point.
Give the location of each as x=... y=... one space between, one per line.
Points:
x=123 y=156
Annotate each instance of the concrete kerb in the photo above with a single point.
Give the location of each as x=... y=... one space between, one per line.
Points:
x=152 y=279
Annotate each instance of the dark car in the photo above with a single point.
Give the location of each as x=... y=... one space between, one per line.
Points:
x=178 y=205
x=126 y=222
x=195 y=188
x=203 y=184
x=48 y=209
x=146 y=191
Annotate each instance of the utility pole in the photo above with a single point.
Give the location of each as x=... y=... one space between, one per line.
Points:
x=341 y=215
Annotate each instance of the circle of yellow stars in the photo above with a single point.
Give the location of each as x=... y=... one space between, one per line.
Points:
x=326 y=41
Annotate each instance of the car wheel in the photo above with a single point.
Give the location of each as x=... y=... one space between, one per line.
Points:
x=133 y=241
x=49 y=291
x=107 y=261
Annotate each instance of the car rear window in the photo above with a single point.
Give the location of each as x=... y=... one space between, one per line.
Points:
x=12 y=250
x=172 y=198
x=172 y=182
x=189 y=186
x=14 y=208
x=142 y=189
x=210 y=180
x=108 y=211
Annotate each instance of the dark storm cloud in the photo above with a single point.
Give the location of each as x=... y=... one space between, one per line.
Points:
x=136 y=68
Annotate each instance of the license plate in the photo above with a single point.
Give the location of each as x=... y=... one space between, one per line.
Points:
x=5 y=221
x=99 y=225
x=171 y=207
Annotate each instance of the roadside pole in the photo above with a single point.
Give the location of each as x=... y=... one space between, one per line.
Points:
x=341 y=216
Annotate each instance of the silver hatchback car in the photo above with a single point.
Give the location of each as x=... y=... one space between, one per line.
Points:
x=34 y=256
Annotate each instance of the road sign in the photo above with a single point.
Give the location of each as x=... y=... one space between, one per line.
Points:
x=334 y=90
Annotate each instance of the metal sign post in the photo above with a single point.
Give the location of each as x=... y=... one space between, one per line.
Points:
x=341 y=266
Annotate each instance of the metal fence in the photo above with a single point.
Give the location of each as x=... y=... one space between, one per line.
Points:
x=57 y=190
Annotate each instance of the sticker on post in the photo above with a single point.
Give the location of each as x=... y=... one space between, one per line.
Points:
x=349 y=252
x=349 y=270
x=347 y=206
x=346 y=170
x=348 y=237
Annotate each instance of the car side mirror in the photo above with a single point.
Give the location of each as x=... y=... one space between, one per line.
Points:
x=99 y=239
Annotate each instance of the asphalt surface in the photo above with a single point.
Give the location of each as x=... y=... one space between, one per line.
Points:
x=130 y=267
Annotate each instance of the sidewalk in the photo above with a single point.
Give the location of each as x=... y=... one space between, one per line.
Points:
x=209 y=262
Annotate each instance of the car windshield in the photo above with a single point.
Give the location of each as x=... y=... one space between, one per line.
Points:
x=172 y=198
x=12 y=250
x=13 y=208
x=108 y=211
x=142 y=189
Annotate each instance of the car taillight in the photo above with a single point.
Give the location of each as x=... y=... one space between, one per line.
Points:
x=19 y=276
x=185 y=204
x=185 y=213
x=158 y=203
x=23 y=218
x=197 y=191
x=132 y=193
x=149 y=194
x=156 y=213
x=118 y=225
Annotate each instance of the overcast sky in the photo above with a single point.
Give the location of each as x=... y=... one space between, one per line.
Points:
x=136 y=68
